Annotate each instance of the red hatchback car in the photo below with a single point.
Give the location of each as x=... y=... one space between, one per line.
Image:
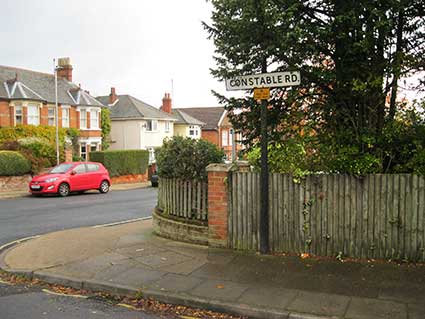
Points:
x=71 y=177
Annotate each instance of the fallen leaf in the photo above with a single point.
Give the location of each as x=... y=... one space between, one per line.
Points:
x=219 y=286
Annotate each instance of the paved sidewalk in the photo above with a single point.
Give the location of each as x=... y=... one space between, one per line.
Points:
x=114 y=187
x=128 y=259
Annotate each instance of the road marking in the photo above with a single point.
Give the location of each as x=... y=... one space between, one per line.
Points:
x=18 y=241
x=123 y=222
x=47 y=291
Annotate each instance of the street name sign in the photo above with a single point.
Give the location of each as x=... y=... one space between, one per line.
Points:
x=263 y=80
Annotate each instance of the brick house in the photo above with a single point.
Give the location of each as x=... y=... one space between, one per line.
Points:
x=28 y=98
x=217 y=129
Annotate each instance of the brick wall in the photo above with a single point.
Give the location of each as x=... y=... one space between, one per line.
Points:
x=218 y=205
x=14 y=183
x=210 y=136
x=4 y=113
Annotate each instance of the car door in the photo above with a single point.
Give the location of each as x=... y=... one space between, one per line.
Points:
x=79 y=180
x=94 y=175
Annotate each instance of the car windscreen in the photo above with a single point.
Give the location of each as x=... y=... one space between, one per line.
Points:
x=60 y=169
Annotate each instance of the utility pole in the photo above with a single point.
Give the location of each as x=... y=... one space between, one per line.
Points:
x=56 y=112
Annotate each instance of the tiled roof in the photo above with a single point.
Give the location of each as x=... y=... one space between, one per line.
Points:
x=23 y=84
x=208 y=115
x=184 y=118
x=128 y=107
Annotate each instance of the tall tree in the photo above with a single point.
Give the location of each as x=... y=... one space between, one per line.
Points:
x=351 y=54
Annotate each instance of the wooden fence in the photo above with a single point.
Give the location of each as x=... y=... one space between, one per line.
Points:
x=377 y=216
x=186 y=199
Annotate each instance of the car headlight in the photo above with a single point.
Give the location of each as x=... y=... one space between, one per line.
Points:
x=49 y=180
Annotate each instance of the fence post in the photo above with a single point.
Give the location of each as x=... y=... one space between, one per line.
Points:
x=218 y=210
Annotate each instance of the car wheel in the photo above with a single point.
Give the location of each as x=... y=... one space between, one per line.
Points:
x=104 y=187
x=63 y=189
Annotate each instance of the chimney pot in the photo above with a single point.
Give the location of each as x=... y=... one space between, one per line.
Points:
x=166 y=103
x=65 y=68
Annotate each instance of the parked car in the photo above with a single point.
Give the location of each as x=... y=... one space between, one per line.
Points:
x=71 y=177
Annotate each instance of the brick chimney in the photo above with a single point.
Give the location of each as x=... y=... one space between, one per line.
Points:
x=166 y=103
x=113 y=96
x=65 y=68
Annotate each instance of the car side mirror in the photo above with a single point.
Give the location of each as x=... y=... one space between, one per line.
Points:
x=73 y=172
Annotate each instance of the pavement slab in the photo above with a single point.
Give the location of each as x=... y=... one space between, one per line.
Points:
x=176 y=283
x=416 y=311
x=363 y=308
x=162 y=259
x=319 y=304
x=219 y=289
x=269 y=297
x=137 y=277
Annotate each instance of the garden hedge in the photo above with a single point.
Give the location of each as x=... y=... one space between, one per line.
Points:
x=13 y=164
x=123 y=162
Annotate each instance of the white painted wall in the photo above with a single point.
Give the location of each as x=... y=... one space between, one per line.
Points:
x=154 y=138
x=132 y=134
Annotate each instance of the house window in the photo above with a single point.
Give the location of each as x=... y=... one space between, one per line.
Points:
x=94 y=119
x=94 y=147
x=33 y=114
x=18 y=114
x=83 y=119
x=167 y=127
x=224 y=138
x=151 y=125
x=51 y=116
x=193 y=131
x=231 y=137
x=65 y=117
x=83 y=151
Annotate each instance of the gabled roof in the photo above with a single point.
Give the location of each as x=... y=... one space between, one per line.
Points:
x=128 y=107
x=209 y=115
x=184 y=118
x=21 y=84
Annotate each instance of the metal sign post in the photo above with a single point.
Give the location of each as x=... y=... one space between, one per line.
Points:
x=261 y=84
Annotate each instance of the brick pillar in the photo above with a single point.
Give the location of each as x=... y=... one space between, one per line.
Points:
x=218 y=205
x=68 y=154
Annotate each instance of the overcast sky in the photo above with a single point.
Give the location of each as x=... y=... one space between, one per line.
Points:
x=138 y=47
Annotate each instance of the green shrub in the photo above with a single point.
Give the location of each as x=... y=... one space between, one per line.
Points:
x=37 y=143
x=186 y=158
x=13 y=164
x=40 y=152
x=122 y=162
